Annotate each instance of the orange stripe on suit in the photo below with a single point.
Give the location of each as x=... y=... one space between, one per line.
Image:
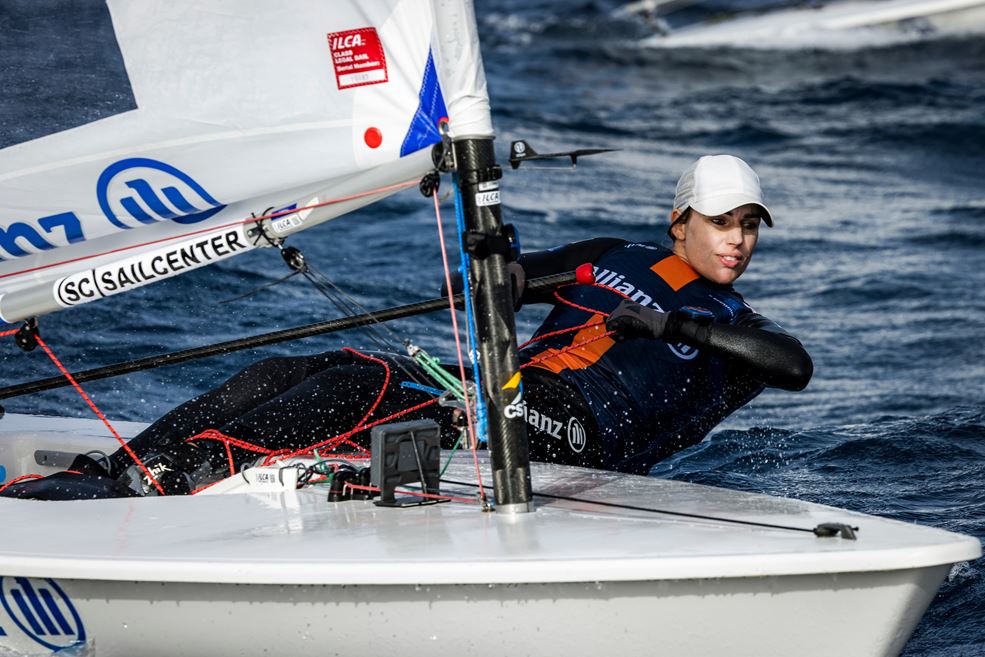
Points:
x=582 y=357
x=675 y=272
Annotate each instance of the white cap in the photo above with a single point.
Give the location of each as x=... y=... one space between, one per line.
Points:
x=716 y=184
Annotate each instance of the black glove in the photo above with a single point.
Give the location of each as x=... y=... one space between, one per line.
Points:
x=631 y=320
x=456 y=285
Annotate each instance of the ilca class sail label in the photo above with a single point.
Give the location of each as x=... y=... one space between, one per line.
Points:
x=358 y=57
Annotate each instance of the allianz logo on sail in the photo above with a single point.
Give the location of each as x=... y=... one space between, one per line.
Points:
x=617 y=282
x=176 y=186
x=130 y=192
x=42 y=611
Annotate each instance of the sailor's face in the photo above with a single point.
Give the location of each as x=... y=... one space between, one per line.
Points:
x=719 y=248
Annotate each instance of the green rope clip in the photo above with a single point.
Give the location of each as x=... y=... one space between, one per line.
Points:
x=432 y=367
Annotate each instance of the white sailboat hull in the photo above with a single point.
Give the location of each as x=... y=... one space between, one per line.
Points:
x=281 y=572
x=862 y=614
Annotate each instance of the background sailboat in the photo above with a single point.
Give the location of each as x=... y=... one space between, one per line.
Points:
x=835 y=25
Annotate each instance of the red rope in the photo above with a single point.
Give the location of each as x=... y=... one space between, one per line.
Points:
x=557 y=295
x=551 y=354
x=342 y=438
x=469 y=422
x=386 y=381
x=229 y=455
x=566 y=302
x=20 y=478
x=588 y=324
x=31 y=476
x=214 y=434
x=6 y=333
x=99 y=413
x=552 y=334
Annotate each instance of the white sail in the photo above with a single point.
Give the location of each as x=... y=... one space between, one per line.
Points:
x=243 y=107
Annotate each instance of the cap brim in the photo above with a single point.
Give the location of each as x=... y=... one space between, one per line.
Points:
x=727 y=202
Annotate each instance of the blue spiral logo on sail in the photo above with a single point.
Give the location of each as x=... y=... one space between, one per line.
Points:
x=153 y=191
x=42 y=611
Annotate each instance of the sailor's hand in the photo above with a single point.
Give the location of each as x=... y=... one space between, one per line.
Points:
x=518 y=283
x=631 y=320
x=518 y=278
x=456 y=284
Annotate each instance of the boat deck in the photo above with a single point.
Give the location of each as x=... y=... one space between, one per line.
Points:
x=297 y=537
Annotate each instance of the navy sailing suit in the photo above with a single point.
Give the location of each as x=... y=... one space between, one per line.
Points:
x=646 y=398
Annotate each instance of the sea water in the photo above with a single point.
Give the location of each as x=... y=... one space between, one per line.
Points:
x=872 y=156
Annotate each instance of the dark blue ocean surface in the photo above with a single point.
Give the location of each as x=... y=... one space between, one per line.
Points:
x=872 y=159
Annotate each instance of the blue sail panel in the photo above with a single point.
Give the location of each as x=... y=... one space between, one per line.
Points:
x=423 y=130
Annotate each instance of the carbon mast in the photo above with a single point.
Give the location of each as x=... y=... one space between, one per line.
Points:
x=489 y=248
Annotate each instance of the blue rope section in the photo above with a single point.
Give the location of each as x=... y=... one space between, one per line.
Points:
x=481 y=412
x=417 y=386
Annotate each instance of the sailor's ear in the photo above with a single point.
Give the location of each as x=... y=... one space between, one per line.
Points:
x=676 y=228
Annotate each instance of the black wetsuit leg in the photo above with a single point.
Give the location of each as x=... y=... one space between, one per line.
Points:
x=333 y=401
x=244 y=391
x=281 y=403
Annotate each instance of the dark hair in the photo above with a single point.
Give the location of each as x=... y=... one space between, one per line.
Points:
x=680 y=220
